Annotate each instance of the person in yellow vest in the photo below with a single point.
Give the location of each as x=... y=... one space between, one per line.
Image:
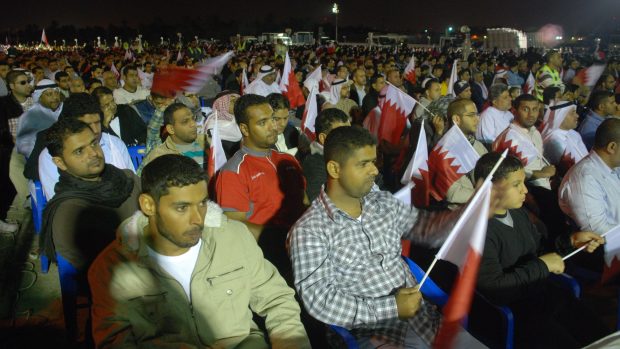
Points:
x=549 y=74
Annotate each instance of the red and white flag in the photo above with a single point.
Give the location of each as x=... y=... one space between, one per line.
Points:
x=409 y=73
x=244 y=82
x=129 y=55
x=573 y=153
x=217 y=157
x=172 y=79
x=397 y=107
x=115 y=71
x=453 y=77
x=313 y=78
x=44 y=38
x=310 y=114
x=517 y=144
x=417 y=173
x=290 y=86
x=452 y=158
x=590 y=75
x=612 y=254
x=530 y=83
x=463 y=248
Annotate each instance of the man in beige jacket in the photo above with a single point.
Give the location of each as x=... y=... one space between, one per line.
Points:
x=181 y=275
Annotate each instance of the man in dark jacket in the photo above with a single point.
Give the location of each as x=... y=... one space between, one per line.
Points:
x=120 y=120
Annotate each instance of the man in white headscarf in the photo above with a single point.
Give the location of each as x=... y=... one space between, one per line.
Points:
x=45 y=111
x=265 y=82
x=563 y=146
x=338 y=95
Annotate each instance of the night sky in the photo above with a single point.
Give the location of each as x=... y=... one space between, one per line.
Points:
x=391 y=15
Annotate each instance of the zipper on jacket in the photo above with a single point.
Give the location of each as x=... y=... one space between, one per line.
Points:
x=210 y=280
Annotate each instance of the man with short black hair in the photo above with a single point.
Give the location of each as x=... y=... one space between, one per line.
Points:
x=371 y=100
x=92 y=198
x=200 y=271
x=120 y=120
x=62 y=80
x=496 y=117
x=183 y=137
x=602 y=104
x=358 y=89
x=131 y=91
x=346 y=252
x=314 y=164
x=260 y=186
x=83 y=107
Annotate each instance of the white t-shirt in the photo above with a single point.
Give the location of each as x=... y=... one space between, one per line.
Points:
x=122 y=96
x=179 y=267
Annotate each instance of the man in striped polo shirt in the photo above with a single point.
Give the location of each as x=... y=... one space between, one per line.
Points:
x=183 y=137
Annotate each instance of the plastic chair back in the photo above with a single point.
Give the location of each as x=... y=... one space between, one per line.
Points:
x=38 y=201
x=137 y=153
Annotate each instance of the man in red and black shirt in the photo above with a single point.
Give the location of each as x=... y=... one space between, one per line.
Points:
x=260 y=186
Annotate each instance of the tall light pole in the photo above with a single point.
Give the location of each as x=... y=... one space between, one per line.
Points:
x=336 y=11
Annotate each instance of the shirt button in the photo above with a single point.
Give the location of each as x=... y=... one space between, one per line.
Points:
x=229 y=292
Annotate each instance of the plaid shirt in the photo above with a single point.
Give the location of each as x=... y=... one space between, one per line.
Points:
x=153 y=140
x=347 y=270
x=14 y=122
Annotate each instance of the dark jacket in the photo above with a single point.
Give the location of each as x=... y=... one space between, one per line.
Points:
x=371 y=100
x=355 y=96
x=476 y=96
x=313 y=166
x=133 y=128
x=9 y=109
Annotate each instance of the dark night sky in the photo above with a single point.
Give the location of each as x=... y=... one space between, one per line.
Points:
x=393 y=15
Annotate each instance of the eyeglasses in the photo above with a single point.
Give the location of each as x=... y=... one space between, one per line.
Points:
x=23 y=82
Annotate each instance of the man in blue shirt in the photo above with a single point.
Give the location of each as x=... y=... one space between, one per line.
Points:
x=602 y=104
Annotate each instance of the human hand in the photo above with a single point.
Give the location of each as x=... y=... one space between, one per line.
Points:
x=438 y=124
x=408 y=302
x=588 y=238
x=554 y=262
x=548 y=171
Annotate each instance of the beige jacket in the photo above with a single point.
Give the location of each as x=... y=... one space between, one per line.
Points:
x=138 y=304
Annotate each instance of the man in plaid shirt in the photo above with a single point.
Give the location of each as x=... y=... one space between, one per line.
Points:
x=346 y=252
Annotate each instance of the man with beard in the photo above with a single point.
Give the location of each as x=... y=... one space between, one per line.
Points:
x=130 y=91
x=183 y=137
x=265 y=82
x=92 y=198
x=83 y=107
x=120 y=120
x=181 y=274
x=346 y=252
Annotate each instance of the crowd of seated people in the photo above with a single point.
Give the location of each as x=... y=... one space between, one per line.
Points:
x=300 y=228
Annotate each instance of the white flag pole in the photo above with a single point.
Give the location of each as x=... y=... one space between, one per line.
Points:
x=584 y=246
x=488 y=178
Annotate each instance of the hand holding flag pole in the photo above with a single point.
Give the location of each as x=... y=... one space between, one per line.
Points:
x=465 y=213
x=586 y=245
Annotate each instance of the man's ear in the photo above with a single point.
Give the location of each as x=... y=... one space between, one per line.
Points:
x=244 y=129
x=333 y=169
x=147 y=205
x=612 y=147
x=456 y=119
x=59 y=162
x=170 y=129
x=322 y=138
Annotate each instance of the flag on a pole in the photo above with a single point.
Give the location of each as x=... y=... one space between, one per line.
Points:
x=517 y=144
x=290 y=86
x=530 y=83
x=244 y=82
x=409 y=73
x=397 y=107
x=310 y=114
x=464 y=247
x=172 y=79
x=452 y=158
x=573 y=153
x=179 y=55
x=217 y=157
x=612 y=254
x=453 y=78
x=115 y=71
x=313 y=78
x=590 y=75
x=44 y=38
x=129 y=55
x=417 y=172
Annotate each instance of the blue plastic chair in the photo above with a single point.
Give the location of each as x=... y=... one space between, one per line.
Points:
x=137 y=153
x=72 y=284
x=430 y=290
x=38 y=203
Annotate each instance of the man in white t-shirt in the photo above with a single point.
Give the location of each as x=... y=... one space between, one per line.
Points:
x=131 y=91
x=181 y=274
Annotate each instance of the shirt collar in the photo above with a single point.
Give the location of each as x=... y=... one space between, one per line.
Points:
x=255 y=152
x=597 y=160
x=333 y=212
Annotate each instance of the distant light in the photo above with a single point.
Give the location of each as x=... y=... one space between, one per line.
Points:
x=485 y=36
x=450 y=29
x=426 y=30
x=558 y=37
x=335 y=8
